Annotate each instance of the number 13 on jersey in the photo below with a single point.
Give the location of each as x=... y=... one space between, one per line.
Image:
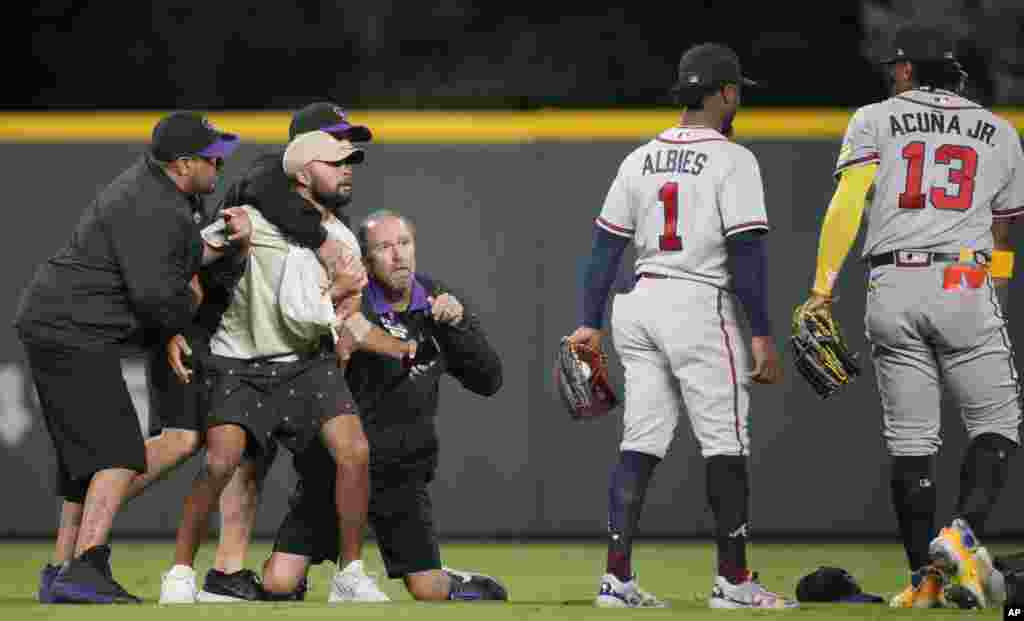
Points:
x=962 y=177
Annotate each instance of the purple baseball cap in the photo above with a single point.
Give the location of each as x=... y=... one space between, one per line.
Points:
x=183 y=134
x=330 y=118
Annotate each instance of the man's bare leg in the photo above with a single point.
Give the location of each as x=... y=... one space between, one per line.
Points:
x=238 y=504
x=283 y=573
x=433 y=585
x=344 y=438
x=225 y=445
x=67 y=532
x=164 y=453
x=107 y=492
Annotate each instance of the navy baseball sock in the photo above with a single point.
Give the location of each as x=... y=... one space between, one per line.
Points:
x=728 y=490
x=913 y=498
x=982 y=478
x=626 y=500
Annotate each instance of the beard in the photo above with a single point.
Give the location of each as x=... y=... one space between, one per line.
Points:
x=205 y=186
x=332 y=200
x=401 y=279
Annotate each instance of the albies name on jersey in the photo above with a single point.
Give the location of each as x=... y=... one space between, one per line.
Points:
x=674 y=161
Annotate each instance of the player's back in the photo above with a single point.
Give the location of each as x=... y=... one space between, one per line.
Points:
x=679 y=196
x=945 y=168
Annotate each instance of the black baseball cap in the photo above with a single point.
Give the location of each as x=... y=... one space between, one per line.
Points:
x=183 y=134
x=920 y=43
x=833 y=584
x=709 y=65
x=330 y=118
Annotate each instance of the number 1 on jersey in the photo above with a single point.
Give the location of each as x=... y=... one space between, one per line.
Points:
x=668 y=195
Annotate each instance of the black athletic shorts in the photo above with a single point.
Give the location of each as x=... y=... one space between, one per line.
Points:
x=173 y=405
x=88 y=412
x=276 y=402
x=400 y=513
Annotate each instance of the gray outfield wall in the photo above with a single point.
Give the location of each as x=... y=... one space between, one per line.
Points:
x=511 y=225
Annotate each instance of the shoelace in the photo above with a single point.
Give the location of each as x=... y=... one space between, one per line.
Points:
x=371 y=578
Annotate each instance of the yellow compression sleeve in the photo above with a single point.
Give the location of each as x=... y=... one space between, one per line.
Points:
x=842 y=221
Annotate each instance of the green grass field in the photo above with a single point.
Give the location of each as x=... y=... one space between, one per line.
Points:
x=545 y=581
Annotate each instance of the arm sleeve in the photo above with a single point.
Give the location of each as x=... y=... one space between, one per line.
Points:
x=599 y=275
x=741 y=195
x=842 y=221
x=471 y=358
x=469 y=355
x=156 y=266
x=860 y=147
x=747 y=262
x=267 y=188
x=1009 y=202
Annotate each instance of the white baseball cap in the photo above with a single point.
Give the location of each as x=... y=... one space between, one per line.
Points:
x=319 y=146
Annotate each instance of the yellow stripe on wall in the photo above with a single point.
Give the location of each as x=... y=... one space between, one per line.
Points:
x=425 y=127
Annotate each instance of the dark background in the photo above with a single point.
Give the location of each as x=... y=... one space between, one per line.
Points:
x=466 y=54
x=511 y=226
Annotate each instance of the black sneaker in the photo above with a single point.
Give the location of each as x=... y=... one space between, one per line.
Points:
x=242 y=586
x=88 y=580
x=468 y=586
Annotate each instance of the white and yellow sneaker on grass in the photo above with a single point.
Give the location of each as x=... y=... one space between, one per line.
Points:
x=924 y=591
x=953 y=554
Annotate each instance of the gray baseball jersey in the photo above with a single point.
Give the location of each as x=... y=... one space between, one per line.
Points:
x=947 y=168
x=678 y=198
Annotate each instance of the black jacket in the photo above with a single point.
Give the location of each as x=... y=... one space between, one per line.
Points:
x=268 y=189
x=398 y=405
x=122 y=279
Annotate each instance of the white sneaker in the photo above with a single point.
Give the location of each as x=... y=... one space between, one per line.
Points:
x=178 y=586
x=614 y=593
x=352 y=584
x=749 y=594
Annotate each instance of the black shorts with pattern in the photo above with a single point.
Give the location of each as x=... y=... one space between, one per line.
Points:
x=277 y=402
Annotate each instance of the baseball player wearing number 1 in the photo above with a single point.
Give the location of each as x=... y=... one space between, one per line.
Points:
x=692 y=202
x=948 y=178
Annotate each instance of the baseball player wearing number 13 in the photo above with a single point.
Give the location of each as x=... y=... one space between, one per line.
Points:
x=948 y=178
x=692 y=202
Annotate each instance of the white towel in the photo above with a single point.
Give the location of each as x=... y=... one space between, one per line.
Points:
x=305 y=306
